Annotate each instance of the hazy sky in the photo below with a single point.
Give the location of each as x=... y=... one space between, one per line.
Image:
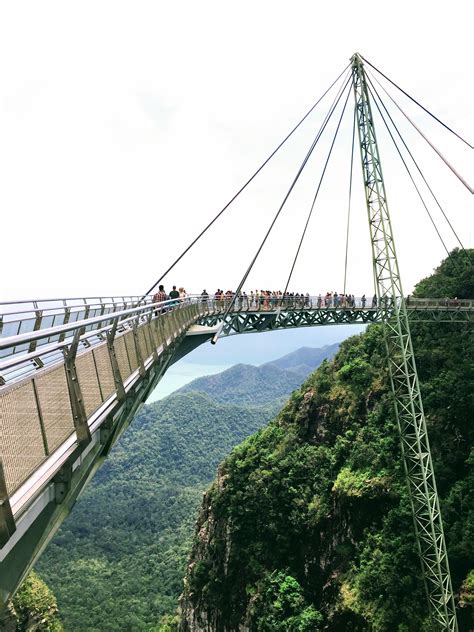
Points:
x=125 y=126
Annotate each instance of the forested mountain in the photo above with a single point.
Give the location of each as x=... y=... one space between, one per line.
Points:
x=308 y=526
x=265 y=384
x=119 y=560
x=304 y=360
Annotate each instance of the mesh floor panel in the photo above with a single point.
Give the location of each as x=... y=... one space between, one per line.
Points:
x=143 y=341
x=21 y=442
x=53 y=395
x=104 y=369
x=131 y=349
x=122 y=357
x=88 y=382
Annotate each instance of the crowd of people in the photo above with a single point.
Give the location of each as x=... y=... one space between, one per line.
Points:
x=269 y=299
x=175 y=295
x=260 y=300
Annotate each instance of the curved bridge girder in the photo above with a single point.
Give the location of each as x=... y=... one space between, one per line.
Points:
x=253 y=322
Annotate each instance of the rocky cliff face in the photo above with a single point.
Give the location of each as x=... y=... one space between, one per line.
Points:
x=308 y=525
x=34 y=609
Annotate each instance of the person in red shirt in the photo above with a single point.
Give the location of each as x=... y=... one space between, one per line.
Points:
x=160 y=296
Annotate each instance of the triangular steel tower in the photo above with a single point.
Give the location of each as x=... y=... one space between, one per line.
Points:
x=402 y=368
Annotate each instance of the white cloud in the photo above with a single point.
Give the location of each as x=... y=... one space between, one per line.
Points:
x=125 y=126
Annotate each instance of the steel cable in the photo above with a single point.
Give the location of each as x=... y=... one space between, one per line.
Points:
x=433 y=147
x=316 y=194
x=371 y=86
x=196 y=239
x=418 y=104
x=350 y=198
x=277 y=214
x=409 y=172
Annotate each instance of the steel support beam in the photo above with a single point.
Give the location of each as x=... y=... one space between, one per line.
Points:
x=7 y=522
x=75 y=394
x=118 y=380
x=403 y=373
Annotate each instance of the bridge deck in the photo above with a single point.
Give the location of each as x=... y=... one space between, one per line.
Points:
x=68 y=389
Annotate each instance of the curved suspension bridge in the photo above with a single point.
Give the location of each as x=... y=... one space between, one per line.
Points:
x=74 y=372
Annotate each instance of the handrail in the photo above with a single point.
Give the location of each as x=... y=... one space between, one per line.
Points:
x=49 y=354
x=19 y=339
x=301 y=302
x=74 y=298
x=91 y=385
x=13 y=360
x=63 y=308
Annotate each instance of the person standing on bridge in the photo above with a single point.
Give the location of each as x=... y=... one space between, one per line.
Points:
x=174 y=294
x=363 y=301
x=160 y=296
x=374 y=300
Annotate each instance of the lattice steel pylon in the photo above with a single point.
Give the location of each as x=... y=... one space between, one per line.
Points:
x=403 y=374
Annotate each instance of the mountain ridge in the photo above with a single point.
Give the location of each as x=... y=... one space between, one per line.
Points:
x=249 y=384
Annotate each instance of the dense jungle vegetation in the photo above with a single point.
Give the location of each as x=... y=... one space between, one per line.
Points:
x=119 y=560
x=308 y=526
x=33 y=608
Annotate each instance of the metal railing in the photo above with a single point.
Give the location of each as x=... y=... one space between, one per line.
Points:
x=31 y=335
x=24 y=317
x=44 y=346
x=54 y=391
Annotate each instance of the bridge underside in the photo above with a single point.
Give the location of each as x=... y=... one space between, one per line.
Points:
x=272 y=320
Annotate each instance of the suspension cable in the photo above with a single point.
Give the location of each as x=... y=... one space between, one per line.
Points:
x=446 y=162
x=415 y=162
x=409 y=172
x=316 y=196
x=196 y=239
x=350 y=198
x=277 y=214
x=418 y=104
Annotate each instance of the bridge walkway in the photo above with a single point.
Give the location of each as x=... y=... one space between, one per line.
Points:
x=72 y=378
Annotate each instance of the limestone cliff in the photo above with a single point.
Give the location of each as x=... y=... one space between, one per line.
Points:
x=308 y=525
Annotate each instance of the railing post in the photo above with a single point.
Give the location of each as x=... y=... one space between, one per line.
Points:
x=114 y=363
x=40 y=417
x=173 y=323
x=67 y=315
x=149 y=329
x=102 y=312
x=183 y=317
x=75 y=394
x=141 y=366
x=7 y=522
x=180 y=317
x=156 y=329
x=162 y=326
x=37 y=325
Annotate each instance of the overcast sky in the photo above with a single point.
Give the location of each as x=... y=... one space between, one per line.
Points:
x=126 y=126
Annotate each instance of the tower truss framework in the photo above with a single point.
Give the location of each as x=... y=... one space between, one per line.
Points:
x=405 y=385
